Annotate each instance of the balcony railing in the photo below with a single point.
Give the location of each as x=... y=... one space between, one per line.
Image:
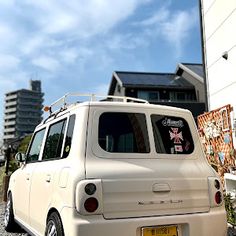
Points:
x=8 y=110
x=8 y=136
x=12 y=103
x=8 y=117
x=9 y=130
x=7 y=123
x=10 y=97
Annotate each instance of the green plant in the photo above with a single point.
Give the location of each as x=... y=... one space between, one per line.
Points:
x=231 y=216
x=24 y=144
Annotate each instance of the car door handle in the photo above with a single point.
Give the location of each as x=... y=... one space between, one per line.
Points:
x=48 y=178
x=161 y=188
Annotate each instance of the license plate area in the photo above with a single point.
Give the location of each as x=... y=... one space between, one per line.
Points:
x=164 y=230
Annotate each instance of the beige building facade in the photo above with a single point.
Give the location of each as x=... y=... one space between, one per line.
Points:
x=219 y=45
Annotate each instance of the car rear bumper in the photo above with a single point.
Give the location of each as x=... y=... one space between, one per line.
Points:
x=204 y=224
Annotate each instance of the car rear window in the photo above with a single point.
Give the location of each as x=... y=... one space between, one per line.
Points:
x=172 y=135
x=123 y=133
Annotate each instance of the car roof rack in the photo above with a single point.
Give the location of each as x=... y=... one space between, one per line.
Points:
x=63 y=101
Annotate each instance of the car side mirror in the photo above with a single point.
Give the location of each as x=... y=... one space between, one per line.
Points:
x=20 y=157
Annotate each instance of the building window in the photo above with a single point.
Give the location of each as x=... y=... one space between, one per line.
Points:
x=149 y=95
x=182 y=96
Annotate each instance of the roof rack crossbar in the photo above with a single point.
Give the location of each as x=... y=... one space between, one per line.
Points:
x=93 y=97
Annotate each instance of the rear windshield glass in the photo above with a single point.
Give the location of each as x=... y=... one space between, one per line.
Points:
x=172 y=135
x=123 y=132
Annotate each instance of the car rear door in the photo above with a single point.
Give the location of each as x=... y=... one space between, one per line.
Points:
x=149 y=164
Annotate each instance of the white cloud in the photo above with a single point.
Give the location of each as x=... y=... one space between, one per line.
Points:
x=159 y=17
x=69 y=55
x=47 y=63
x=83 y=18
x=173 y=26
x=32 y=45
x=126 y=41
x=8 y=62
x=8 y=37
x=6 y=84
x=5 y=31
x=177 y=29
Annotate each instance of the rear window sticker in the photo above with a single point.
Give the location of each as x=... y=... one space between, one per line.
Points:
x=175 y=123
x=176 y=135
x=187 y=145
x=178 y=148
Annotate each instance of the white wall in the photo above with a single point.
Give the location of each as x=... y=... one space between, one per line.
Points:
x=219 y=24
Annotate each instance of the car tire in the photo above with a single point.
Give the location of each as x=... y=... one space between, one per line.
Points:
x=9 y=221
x=54 y=225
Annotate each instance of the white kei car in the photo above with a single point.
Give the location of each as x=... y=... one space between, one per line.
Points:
x=119 y=167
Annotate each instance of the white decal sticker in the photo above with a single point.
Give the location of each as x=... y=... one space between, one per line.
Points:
x=176 y=123
x=175 y=135
x=178 y=148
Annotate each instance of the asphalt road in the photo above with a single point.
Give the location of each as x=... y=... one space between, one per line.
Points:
x=231 y=231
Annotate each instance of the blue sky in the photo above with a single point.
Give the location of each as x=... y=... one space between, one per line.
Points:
x=74 y=46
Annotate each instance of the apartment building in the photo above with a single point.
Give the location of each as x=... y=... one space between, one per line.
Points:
x=22 y=111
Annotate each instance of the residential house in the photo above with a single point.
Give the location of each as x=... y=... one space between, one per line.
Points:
x=184 y=88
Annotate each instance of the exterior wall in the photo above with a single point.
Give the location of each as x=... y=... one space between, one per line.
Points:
x=119 y=90
x=23 y=112
x=199 y=86
x=219 y=22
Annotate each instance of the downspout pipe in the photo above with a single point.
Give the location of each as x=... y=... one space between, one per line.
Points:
x=203 y=46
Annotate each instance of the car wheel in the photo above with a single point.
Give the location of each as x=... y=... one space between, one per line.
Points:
x=54 y=226
x=9 y=221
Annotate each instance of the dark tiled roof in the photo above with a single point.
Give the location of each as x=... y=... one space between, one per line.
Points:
x=152 y=79
x=196 y=68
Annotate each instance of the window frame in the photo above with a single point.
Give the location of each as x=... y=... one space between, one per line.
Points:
x=93 y=136
x=41 y=148
x=189 y=130
x=65 y=119
x=142 y=117
x=70 y=118
x=95 y=150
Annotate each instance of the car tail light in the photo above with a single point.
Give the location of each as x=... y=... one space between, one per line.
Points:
x=90 y=188
x=91 y=204
x=215 y=192
x=89 y=197
x=218 y=197
x=217 y=184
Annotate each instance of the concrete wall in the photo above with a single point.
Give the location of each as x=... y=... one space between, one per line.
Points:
x=219 y=22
